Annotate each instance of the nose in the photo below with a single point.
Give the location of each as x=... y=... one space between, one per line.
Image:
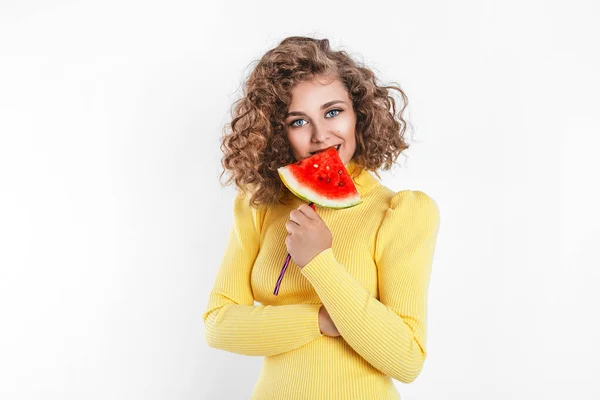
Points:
x=319 y=134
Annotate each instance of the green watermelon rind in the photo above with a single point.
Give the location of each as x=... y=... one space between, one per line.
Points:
x=290 y=182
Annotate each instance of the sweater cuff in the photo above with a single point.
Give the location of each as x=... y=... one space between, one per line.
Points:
x=307 y=318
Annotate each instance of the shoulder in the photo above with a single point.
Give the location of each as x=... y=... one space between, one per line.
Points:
x=242 y=210
x=406 y=199
x=411 y=219
x=412 y=207
x=413 y=199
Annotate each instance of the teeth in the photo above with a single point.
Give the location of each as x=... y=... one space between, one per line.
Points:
x=336 y=147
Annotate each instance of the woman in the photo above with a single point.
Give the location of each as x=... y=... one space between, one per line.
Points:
x=351 y=312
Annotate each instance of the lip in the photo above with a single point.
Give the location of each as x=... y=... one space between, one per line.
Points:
x=337 y=146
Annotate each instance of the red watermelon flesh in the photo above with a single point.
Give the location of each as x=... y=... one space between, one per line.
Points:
x=322 y=179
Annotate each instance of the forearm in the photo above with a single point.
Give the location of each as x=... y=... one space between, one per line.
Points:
x=261 y=330
x=372 y=329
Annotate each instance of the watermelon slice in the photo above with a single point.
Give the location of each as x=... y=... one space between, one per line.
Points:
x=322 y=179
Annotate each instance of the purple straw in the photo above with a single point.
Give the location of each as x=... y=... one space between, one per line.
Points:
x=287 y=261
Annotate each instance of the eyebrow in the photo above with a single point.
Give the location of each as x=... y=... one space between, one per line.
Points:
x=324 y=106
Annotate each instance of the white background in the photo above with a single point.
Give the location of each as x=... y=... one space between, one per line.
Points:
x=113 y=221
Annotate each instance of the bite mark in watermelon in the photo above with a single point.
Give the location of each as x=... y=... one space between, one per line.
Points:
x=322 y=179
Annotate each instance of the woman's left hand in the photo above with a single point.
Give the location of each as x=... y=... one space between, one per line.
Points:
x=307 y=235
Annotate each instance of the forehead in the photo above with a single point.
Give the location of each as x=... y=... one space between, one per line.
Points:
x=318 y=91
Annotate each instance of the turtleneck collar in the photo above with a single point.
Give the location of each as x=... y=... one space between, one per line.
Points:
x=364 y=181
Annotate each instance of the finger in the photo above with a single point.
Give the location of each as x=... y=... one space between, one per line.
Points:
x=298 y=217
x=307 y=211
x=291 y=226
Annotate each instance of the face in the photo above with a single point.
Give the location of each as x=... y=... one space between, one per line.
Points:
x=321 y=115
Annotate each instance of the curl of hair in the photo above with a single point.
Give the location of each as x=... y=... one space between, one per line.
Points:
x=255 y=143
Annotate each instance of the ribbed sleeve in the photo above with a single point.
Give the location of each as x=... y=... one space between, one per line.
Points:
x=389 y=333
x=231 y=320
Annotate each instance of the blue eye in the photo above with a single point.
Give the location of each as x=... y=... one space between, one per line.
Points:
x=293 y=123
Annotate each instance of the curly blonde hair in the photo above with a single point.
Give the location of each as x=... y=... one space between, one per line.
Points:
x=255 y=143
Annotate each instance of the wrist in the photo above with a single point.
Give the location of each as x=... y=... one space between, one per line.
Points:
x=322 y=321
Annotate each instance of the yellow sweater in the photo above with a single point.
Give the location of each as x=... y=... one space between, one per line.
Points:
x=373 y=282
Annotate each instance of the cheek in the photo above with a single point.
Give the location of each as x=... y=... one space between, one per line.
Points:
x=299 y=141
x=347 y=126
x=295 y=147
